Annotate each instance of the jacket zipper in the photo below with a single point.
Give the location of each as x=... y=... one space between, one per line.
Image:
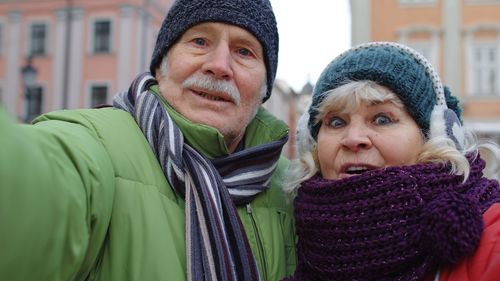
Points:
x=259 y=243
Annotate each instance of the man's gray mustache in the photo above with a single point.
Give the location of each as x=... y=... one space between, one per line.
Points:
x=210 y=84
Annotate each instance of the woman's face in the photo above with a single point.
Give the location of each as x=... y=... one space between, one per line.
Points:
x=370 y=136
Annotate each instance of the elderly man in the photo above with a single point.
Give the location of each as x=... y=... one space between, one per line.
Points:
x=179 y=181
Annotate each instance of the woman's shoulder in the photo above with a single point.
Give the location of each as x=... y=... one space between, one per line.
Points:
x=491 y=218
x=484 y=264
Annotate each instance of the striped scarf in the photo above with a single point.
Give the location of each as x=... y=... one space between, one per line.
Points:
x=216 y=244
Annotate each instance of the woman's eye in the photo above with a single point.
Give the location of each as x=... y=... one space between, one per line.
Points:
x=199 y=41
x=336 y=122
x=382 y=119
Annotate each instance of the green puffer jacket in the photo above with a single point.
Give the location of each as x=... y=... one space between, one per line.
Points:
x=82 y=197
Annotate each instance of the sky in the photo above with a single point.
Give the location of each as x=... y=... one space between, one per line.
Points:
x=312 y=33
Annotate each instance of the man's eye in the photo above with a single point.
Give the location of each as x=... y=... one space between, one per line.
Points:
x=336 y=122
x=244 y=52
x=382 y=119
x=199 y=41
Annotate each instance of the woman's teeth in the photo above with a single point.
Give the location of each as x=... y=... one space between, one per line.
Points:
x=356 y=170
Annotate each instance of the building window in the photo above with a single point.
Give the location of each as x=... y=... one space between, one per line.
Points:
x=1 y=38
x=424 y=39
x=482 y=1
x=38 y=39
x=485 y=70
x=34 y=99
x=102 y=36
x=424 y=48
x=98 y=95
x=406 y=2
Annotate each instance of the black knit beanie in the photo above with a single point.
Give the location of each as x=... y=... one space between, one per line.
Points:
x=256 y=16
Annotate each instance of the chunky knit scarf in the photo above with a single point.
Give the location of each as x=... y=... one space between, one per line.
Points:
x=216 y=244
x=397 y=223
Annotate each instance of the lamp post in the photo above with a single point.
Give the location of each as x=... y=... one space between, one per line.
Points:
x=67 y=53
x=29 y=73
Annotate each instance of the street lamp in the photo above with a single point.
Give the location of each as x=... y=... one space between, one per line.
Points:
x=29 y=73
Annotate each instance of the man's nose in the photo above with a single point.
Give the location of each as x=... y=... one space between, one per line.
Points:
x=356 y=137
x=218 y=63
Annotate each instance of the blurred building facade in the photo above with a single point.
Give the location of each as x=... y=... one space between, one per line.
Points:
x=288 y=105
x=460 y=37
x=82 y=51
x=58 y=54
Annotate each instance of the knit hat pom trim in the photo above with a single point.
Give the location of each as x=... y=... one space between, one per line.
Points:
x=453 y=226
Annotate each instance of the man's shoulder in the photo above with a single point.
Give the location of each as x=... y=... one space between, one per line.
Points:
x=102 y=119
x=266 y=119
x=108 y=126
x=283 y=163
x=275 y=195
x=123 y=140
x=279 y=173
x=82 y=115
x=264 y=128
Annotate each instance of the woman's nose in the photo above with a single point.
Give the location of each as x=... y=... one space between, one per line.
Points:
x=218 y=63
x=356 y=138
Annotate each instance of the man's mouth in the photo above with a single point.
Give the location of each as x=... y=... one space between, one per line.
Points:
x=211 y=97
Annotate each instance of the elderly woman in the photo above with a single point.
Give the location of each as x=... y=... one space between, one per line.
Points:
x=388 y=185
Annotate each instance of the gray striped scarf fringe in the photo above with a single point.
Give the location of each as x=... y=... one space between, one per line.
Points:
x=216 y=244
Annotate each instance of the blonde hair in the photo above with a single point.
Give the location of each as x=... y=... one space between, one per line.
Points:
x=348 y=97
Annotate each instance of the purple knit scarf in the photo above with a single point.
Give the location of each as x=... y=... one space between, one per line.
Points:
x=397 y=223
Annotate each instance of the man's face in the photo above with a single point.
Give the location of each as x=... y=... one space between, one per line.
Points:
x=215 y=75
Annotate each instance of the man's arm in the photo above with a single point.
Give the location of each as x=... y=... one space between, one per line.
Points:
x=56 y=194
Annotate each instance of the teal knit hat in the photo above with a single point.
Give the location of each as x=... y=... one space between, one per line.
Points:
x=406 y=73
